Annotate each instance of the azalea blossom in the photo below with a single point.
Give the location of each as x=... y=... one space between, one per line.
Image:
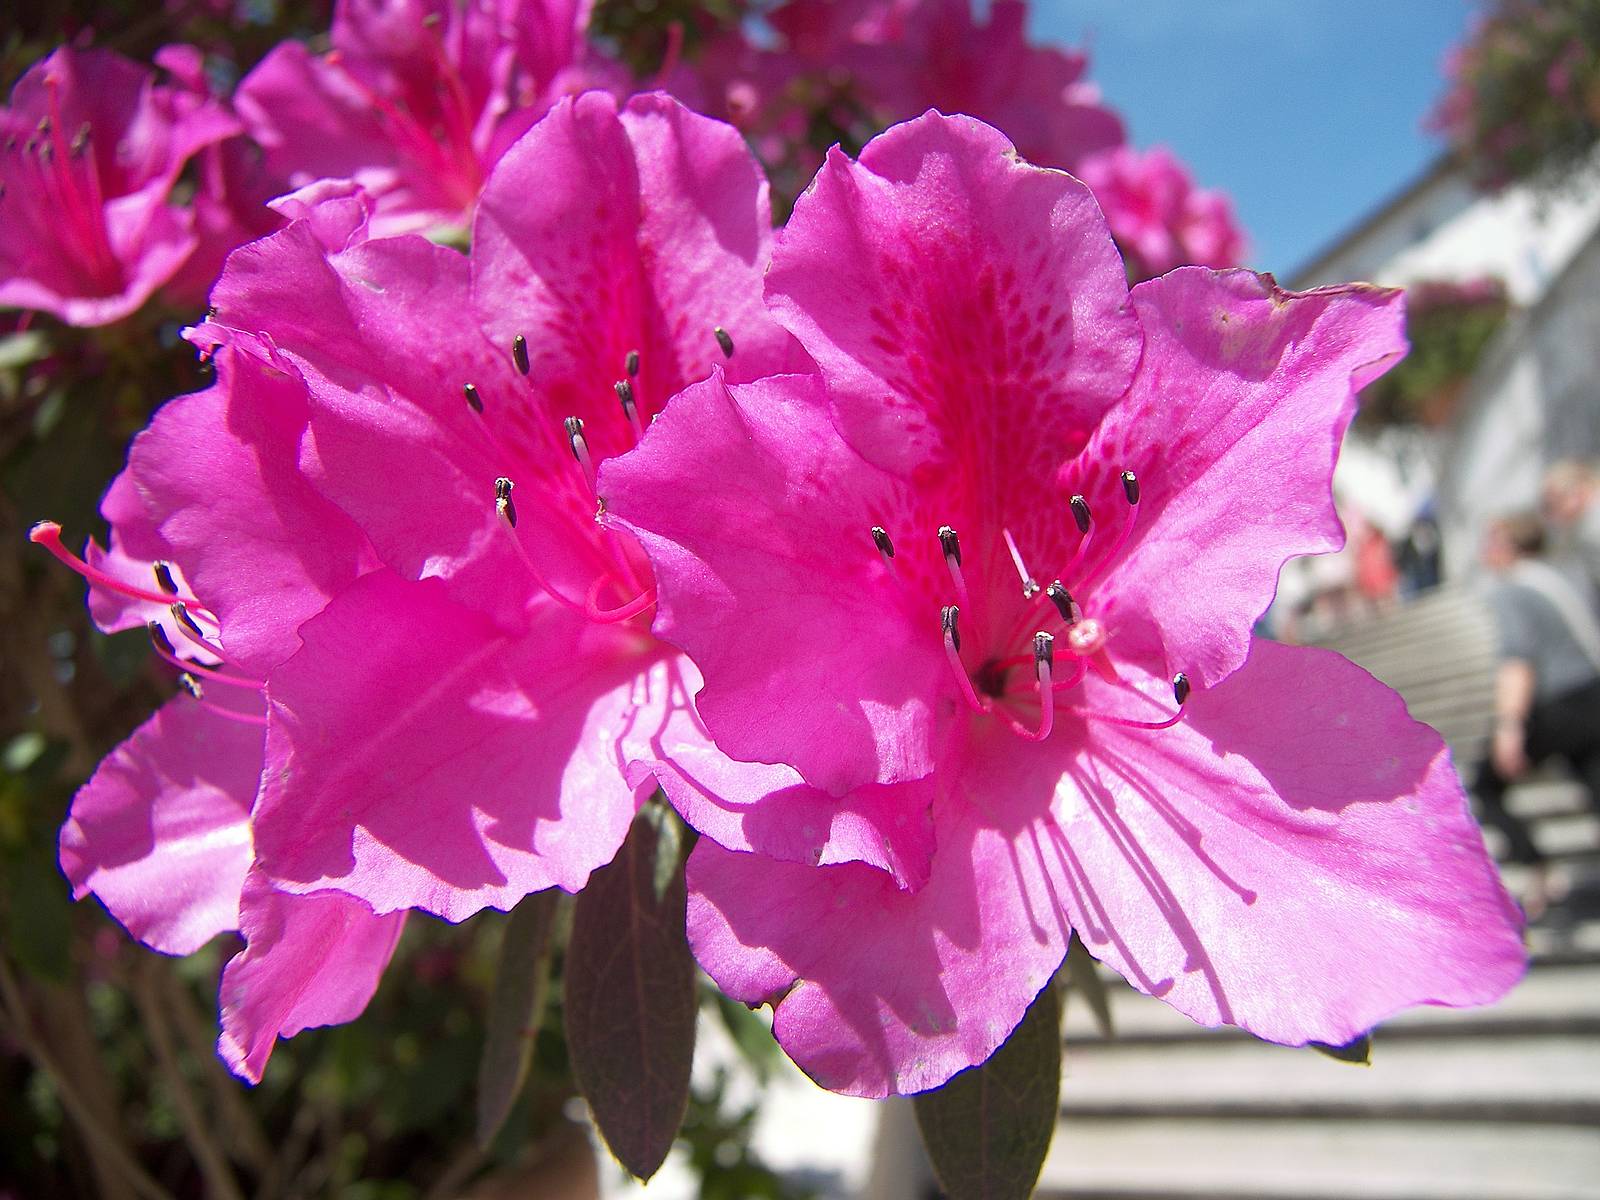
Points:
x=1158 y=216
x=91 y=147
x=444 y=661
x=161 y=833
x=417 y=99
x=998 y=566
x=840 y=71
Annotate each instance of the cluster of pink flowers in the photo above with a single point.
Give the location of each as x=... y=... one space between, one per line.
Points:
x=416 y=100
x=911 y=554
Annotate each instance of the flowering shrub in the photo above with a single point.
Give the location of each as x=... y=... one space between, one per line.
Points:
x=861 y=611
x=1523 y=91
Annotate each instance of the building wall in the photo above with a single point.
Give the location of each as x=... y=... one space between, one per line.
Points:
x=1534 y=400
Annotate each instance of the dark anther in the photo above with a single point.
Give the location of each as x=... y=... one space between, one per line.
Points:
x=44 y=126
x=1180 y=688
x=80 y=140
x=1130 y=487
x=574 y=428
x=1080 y=513
x=880 y=535
x=723 y=340
x=949 y=543
x=211 y=312
x=180 y=614
x=191 y=685
x=1044 y=649
x=502 y=501
x=1062 y=599
x=948 y=616
x=633 y=363
x=159 y=637
x=625 y=394
x=164 y=579
x=474 y=401
x=519 y=353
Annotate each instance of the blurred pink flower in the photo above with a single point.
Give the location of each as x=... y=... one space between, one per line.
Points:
x=418 y=99
x=1098 y=489
x=1159 y=218
x=91 y=147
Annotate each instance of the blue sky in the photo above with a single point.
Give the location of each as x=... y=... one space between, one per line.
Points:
x=1307 y=112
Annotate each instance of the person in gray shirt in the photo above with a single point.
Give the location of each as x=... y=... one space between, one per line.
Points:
x=1547 y=681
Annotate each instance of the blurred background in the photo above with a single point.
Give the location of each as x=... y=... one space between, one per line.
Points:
x=1443 y=146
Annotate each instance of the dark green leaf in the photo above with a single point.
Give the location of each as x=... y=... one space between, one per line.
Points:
x=1358 y=1052
x=1084 y=978
x=988 y=1129
x=515 y=1010
x=630 y=1001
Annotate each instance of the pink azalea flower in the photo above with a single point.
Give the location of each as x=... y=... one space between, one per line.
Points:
x=161 y=833
x=1000 y=563
x=1159 y=218
x=933 y=54
x=418 y=99
x=90 y=149
x=463 y=701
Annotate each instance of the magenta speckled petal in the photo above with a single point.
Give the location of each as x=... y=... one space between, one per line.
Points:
x=161 y=832
x=963 y=304
x=607 y=231
x=308 y=961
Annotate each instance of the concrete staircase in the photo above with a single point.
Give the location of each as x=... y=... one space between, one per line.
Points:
x=1483 y=1104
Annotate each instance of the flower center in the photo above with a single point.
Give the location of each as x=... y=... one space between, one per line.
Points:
x=996 y=687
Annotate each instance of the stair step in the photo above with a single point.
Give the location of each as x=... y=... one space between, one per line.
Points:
x=1537 y=1075
x=1565 y=1001
x=1095 y=1159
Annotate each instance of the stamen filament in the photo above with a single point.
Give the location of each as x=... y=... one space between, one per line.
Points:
x=1030 y=586
x=951 y=545
x=164 y=649
x=1044 y=663
x=611 y=616
x=48 y=535
x=948 y=617
x=507 y=513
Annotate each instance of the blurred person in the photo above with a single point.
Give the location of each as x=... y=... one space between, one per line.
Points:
x=1547 y=681
x=1571 y=501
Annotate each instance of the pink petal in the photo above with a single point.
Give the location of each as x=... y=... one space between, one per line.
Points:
x=602 y=233
x=380 y=333
x=963 y=305
x=421 y=758
x=308 y=961
x=161 y=832
x=1232 y=427
x=756 y=517
x=770 y=809
x=1295 y=857
x=878 y=991
x=217 y=474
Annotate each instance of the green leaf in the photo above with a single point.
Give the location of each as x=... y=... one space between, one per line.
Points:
x=630 y=1000
x=516 y=1008
x=1358 y=1052
x=1084 y=978
x=987 y=1130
